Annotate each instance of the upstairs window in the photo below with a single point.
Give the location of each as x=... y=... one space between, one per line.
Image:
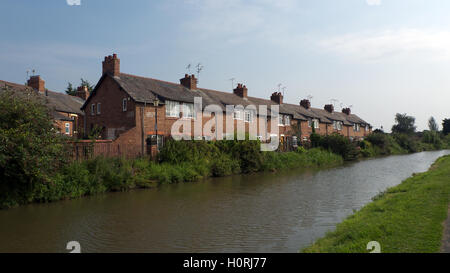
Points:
x=280 y=120
x=172 y=109
x=337 y=125
x=124 y=105
x=93 y=109
x=287 y=120
x=99 y=108
x=248 y=116
x=309 y=123
x=188 y=110
x=367 y=128
x=315 y=123
x=356 y=127
x=237 y=114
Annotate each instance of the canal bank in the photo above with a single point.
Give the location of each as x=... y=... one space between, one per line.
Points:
x=261 y=212
x=403 y=219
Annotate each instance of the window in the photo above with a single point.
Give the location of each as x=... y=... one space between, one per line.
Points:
x=237 y=114
x=248 y=116
x=356 y=127
x=172 y=109
x=315 y=123
x=337 y=125
x=67 y=128
x=309 y=122
x=280 y=120
x=124 y=105
x=188 y=110
x=287 y=120
x=93 y=109
x=98 y=108
x=367 y=128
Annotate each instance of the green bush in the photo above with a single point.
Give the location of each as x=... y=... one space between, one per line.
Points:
x=31 y=152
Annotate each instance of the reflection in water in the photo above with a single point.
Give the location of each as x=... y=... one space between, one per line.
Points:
x=268 y=212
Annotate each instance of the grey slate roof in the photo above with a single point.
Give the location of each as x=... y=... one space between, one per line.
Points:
x=58 y=101
x=143 y=89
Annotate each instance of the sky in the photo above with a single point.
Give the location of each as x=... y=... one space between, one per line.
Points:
x=381 y=57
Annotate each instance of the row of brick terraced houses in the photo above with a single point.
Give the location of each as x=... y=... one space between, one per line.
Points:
x=137 y=111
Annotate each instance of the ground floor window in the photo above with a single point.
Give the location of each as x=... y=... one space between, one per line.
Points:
x=67 y=127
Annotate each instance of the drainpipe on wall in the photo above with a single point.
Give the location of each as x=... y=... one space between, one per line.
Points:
x=143 y=131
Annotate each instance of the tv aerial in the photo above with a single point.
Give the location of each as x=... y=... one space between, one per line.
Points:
x=188 y=68
x=232 y=82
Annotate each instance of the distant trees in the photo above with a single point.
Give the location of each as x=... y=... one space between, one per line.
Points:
x=70 y=90
x=432 y=125
x=446 y=126
x=404 y=124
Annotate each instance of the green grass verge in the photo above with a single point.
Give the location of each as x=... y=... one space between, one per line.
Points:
x=404 y=219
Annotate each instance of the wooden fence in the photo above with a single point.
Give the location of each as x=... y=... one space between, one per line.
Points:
x=87 y=149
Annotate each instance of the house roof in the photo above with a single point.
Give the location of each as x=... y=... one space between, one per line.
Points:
x=57 y=101
x=145 y=90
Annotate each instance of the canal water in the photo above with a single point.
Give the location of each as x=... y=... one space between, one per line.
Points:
x=266 y=212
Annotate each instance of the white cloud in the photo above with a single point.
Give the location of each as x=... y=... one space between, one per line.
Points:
x=73 y=2
x=373 y=2
x=425 y=44
x=235 y=21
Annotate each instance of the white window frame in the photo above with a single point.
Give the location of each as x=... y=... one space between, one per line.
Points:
x=287 y=120
x=237 y=114
x=367 y=128
x=248 y=116
x=310 y=122
x=67 y=127
x=99 y=110
x=93 y=109
x=356 y=127
x=315 y=123
x=280 y=120
x=173 y=109
x=188 y=109
x=124 y=105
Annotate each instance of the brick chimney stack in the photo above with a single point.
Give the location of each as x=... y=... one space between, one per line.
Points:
x=111 y=65
x=83 y=92
x=189 y=81
x=329 y=108
x=241 y=90
x=36 y=83
x=305 y=104
x=277 y=97
x=347 y=111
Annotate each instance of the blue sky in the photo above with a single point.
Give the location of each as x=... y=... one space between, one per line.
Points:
x=380 y=56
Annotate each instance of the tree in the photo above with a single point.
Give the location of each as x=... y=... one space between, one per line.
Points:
x=446 y=126
x=70 y=90
x=73 y=91
x=432 y=125
x=404 y=124
x=31 y=151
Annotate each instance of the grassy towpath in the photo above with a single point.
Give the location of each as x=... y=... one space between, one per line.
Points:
x=406 y=218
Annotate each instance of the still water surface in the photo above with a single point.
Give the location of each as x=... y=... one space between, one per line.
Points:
x=267 y=212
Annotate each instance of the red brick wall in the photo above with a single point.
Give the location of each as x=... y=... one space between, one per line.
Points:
x=111 y=117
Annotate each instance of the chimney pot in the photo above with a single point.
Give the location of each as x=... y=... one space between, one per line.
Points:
x=277 y=97
x=347 y=111
x=82 y=92
x=36 y=83
x=329 y=108
x=189 y=82
x=241 y=90
x=305 y=104
x=111 y=65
